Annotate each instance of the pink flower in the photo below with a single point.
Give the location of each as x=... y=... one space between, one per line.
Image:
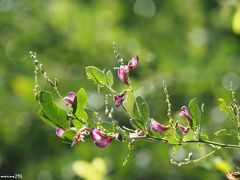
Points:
x=119 y=99
x=70 y=98
x=96 y=135
x=156 y=126
x=183 y=129
x=133 y=63
x=104 y=142
x=99 y=139
x=124 y=69
x=122 y=73
x=59 y=132
x=185 y=113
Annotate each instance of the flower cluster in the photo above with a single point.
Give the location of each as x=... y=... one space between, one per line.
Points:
x=156 y=126
x=100 y=140
x=123 y=70
x=99 y=136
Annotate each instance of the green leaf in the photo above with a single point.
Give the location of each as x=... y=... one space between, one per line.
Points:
x=77 y=124
x=222 y=132
x=172 y=140
x=195 y=112
x=223 y=106
x=69 y=135
x=45 y=119
x=109 y=77
x=50 y=112
x=141 y=110
x=172 y=137
x=204 y=137
x=96 y=75
x=137 y=124
x=81 y=104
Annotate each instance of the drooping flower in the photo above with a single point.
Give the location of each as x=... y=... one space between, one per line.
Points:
x=122 y=73
x=156 y=126
x=119 y=99
x=70 y=98
x=96 y=135
x=183 y=129
x=99 y=139
x=104 y=142
x=133 y=63
x=185 y=113
x=233 y=175
x=59 y=132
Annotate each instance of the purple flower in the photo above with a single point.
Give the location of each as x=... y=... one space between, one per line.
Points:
x=122 y=73
x=104 y=142
x=70 y=98
x=185 y=113
x=183 y=129
x=133 y=63
x=156 y=126
x=96 y=135
x=59 y=132
x=99 y=139
x=119 y=99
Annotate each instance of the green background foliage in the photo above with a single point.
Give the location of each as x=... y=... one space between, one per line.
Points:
x=192 y=44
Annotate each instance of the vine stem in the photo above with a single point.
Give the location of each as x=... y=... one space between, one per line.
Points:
x=222 y=145
x=188 y=161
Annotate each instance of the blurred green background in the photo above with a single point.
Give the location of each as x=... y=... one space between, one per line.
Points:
x=193 y=44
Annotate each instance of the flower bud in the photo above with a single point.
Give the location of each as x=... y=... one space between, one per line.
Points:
x=156 y=126
x=183 y=129
x=185 y=113
x=133 y=63
x=70 y=98
x=140 y=133
x=119 y=99
x=59 y=132
x=136 y=133
x=122 y=73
